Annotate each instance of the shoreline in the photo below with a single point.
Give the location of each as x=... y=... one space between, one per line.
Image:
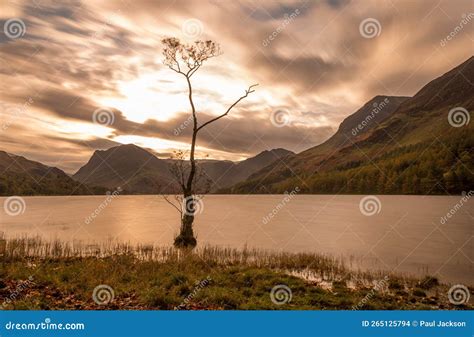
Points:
x=52 y=275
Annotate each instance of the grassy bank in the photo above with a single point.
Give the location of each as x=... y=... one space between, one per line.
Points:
x=42 y=275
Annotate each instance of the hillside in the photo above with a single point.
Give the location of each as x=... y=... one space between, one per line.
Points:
x=130 y=167
x=138 y=171
x=20 y=176
x=412 y=150
x=225 y=174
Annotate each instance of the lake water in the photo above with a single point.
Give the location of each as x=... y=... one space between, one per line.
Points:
x=406 y=235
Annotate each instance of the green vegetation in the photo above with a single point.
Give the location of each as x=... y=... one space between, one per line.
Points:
x=52 y=275
x=434 y=167
x=51 y=184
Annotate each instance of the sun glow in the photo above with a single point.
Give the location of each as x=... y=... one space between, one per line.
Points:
x=164 y=148
x=149 y=96
x=163 y=94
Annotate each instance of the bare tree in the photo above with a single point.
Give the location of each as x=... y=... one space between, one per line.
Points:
x=187 y=59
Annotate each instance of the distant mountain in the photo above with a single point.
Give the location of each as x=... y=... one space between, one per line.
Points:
x=138 y=171
x=20 y=176
x=129 y=167
x=409 y=147
x=225 y=174
x=356 y=126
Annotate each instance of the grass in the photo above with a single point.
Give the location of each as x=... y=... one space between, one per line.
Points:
x=36 y=274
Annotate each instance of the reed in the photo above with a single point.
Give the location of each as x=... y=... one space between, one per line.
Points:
x=61 y=275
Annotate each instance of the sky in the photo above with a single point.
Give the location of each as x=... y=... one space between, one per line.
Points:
x=79 y=76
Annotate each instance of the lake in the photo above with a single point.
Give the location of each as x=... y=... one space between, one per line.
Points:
x=401 y=233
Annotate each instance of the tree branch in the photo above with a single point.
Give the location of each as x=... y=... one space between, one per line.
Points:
x=193 y=70
x=247 y=92
x=171 y=203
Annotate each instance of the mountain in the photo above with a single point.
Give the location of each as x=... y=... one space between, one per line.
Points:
x=129 y=167
x=138 y=171
x=225 y=173
x=20 y=176
x=353 y=127
x=410 y=148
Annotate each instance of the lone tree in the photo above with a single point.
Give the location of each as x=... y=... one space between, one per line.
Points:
x=187 y=59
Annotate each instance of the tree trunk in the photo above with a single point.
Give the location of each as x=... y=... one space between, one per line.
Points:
x=186 y=238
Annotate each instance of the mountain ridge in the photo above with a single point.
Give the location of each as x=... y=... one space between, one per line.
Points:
x=21 y=176
x=137 y=170
x=418 y=123
x=392 y=144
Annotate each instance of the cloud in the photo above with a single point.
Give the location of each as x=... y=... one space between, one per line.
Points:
x=77 y=56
